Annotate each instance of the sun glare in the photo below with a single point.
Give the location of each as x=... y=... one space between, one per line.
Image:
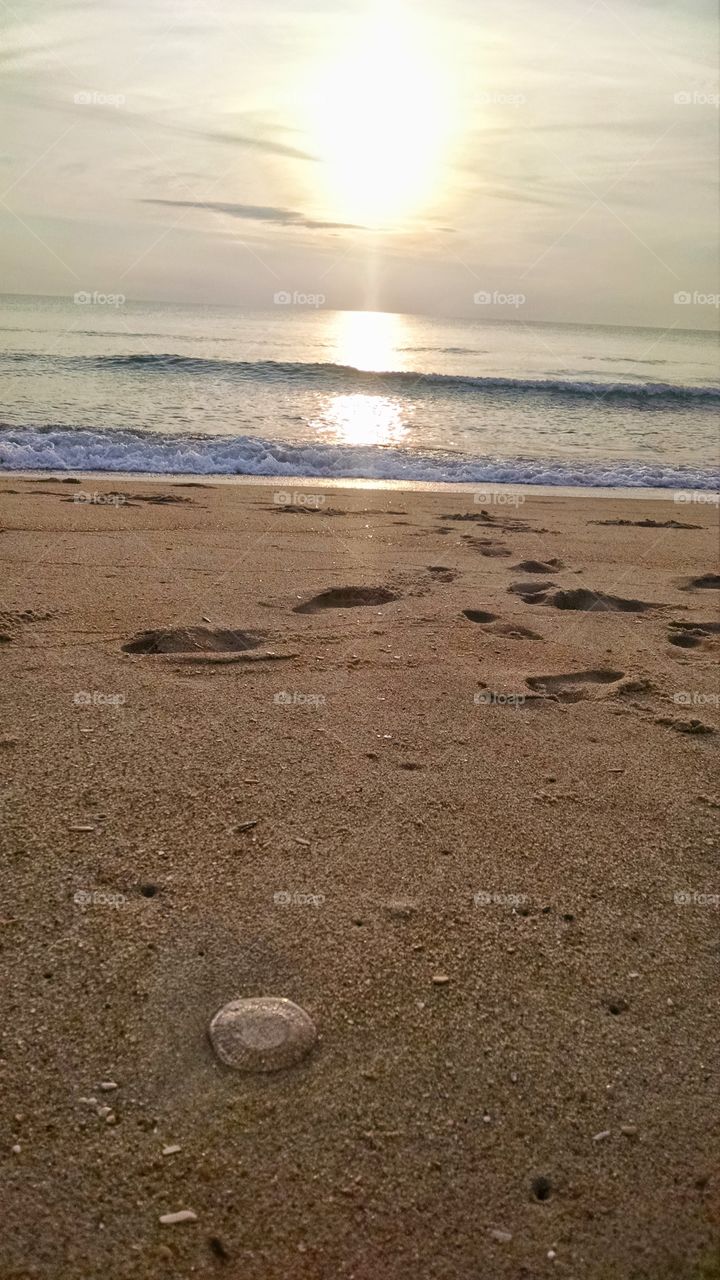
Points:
x=380 y=125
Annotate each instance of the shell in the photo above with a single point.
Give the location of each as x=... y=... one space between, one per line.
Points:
x=262 y=1033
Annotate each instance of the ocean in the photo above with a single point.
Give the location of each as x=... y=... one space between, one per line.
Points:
x=104 y=384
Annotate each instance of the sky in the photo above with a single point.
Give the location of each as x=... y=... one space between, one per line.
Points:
x=445 y=158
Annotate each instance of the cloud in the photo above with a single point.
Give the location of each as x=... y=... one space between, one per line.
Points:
x=259 y=213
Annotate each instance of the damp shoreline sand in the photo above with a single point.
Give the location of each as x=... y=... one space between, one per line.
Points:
x=381 y=759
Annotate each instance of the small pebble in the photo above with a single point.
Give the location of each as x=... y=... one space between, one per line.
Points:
x=300 y=840
x=171 y=1150
x=248 y=826
x=107 y=1085
x=17 y=1149
x=630 y=1130
x=600 y=1137
x=440 y=979
x=183 y=1215
x=502 y=1237
x=81 y=826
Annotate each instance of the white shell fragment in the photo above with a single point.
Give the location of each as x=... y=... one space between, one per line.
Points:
x=263 y=1033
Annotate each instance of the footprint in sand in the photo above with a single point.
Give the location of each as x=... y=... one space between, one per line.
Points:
x=648 y=524
x=706 y=582
x=346 y=598
x=492 y=624
x=487 y=546
x=192 y=640
x=571 y=686
x=691 y=635
x=538 y=566
x=441 y=573
x=581 y=599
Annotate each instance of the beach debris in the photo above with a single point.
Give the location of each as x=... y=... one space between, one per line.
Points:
x=502 y=1237
x=302 y=840
x=248 y=826
x=81 y=826
x=182 y=1215
x=600 y=1137
x=262 y=1033
x=172 y=1149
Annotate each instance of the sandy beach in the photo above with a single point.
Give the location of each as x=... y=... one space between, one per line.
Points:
x=444 y=774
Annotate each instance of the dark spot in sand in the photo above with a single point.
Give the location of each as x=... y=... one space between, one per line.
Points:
x=706 y=582
x=192 y=640
x=513 y=631
x=442 y=573
x=218 y=1248
x=616 y=1005
x=149 y=890
x=541 y=1187
x=347 y=598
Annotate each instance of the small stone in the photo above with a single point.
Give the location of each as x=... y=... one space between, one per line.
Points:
x=107 y=1085
x=264 y=1033
x=600 y=1137
x=248 y=826
x=300 y=840
x=172 y=1149
x=502 y=1237
x=440 y=979
x=630 y=1130
x=81 y=826
x=17 y=1149
x=182 y=1215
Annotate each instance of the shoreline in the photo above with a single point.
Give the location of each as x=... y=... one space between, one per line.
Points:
x=704 y=498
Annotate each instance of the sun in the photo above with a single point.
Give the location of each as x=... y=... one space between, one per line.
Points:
x=379 y=125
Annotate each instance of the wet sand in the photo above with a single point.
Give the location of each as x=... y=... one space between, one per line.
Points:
x=444 y=774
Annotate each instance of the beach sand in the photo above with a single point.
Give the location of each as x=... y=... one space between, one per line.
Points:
x=519 y=803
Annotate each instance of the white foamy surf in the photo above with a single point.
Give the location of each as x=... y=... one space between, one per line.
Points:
x=65 y=449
